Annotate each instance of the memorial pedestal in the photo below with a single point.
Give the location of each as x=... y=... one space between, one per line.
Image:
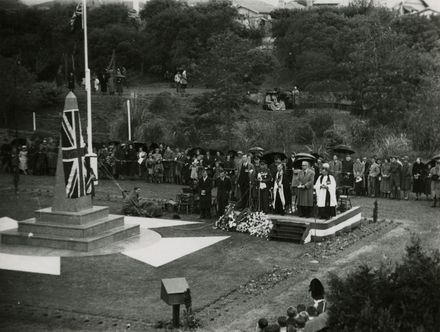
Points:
x=71 y=223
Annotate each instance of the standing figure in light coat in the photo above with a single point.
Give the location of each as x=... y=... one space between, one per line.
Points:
x=325 y=188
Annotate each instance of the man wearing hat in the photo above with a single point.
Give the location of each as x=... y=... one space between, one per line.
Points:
x=245 y=174
x=237 y=164
x=395 y=177
x=305 y=190
x=223 y=184
x=325 y=188
x=264 y=183
x=205 y=186
x=434 y=175
x=405 y=184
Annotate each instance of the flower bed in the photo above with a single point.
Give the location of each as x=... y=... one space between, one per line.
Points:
x=246 y=221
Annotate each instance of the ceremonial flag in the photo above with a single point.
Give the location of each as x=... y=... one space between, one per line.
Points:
x=77 y=13
x=77 y=175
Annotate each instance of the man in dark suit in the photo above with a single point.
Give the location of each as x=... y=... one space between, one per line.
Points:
x=223 y=184
x=245 y=175
x=205 y=186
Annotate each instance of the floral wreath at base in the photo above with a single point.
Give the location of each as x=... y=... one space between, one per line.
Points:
x=255 y=223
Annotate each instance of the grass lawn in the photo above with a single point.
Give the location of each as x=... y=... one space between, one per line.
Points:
x=95 y=293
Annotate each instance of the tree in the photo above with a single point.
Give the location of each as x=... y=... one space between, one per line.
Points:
x=232 y=65
x=386 y=299
x=15 y=91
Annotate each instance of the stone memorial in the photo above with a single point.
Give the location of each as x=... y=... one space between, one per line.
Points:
x=73 y=222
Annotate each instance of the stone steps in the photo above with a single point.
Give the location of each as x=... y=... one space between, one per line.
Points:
x=92 y=228
x=72 y=218
x=288 y=231
x=70 y=243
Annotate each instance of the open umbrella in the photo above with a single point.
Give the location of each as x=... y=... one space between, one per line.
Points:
x=193 y=151
x=434 y=159
x=114 y=143
x=138 y=145
x=300 y=157
x=270 y=157
x=256 y=149
x=344 y=149
x=232 y=153
x=19 y=141
x=213 y=152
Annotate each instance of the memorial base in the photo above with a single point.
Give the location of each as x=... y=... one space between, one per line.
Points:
x=85 y=230
x=303 y=230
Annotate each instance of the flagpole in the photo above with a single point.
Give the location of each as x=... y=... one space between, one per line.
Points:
x=87 y=75
x=129 y=119
x=93 y=159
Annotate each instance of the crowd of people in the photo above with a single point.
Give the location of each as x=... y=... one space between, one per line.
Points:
x=301 y=318
x=281 y=186
x=249 y=179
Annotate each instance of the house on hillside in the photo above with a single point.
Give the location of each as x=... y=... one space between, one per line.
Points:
x=415 y=7
x=254 y=14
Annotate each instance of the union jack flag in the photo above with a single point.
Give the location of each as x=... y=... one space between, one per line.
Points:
x=77 y=174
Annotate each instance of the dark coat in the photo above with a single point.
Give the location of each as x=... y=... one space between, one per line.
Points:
x=223 y=187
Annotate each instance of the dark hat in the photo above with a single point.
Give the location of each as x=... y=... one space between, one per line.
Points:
x=316 y=288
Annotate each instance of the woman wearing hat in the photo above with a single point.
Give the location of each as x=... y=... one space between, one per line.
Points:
x=434 y=175
x=23 y=158
x=325 y=188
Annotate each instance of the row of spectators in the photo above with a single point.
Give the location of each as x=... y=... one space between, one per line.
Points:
x=301 y=318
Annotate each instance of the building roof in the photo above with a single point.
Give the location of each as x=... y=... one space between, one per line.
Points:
x=294 y=5
x=328 y=2
x=256 y=6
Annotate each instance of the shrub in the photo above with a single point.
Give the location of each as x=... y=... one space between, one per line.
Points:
x=404 y=299
x=320 y=122
x=304 y=134
x=333 y=137
x=46 y=93
x=392 y=144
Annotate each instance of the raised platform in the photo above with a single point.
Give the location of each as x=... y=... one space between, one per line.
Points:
x=301 y=230
x=85 y=230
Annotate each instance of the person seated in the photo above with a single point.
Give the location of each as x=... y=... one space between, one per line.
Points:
x=276 y=105
x=300 y=307
x=301 y=320
x=272 y=328
x=262 y=324
x=291 y=314
x=312 y=311
x=282 y=322
x=132 y=206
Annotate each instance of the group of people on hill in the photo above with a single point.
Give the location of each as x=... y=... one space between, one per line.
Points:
x=109 y=81
x=302 y=318
x=181 y=81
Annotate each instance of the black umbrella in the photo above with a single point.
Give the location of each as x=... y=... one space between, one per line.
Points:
x=232 y=153
x=270 y=157
x=213 y=152
x=138 y=145
x=114 y=143
x=344 y=149
x=19 y=141
x=193 y=151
